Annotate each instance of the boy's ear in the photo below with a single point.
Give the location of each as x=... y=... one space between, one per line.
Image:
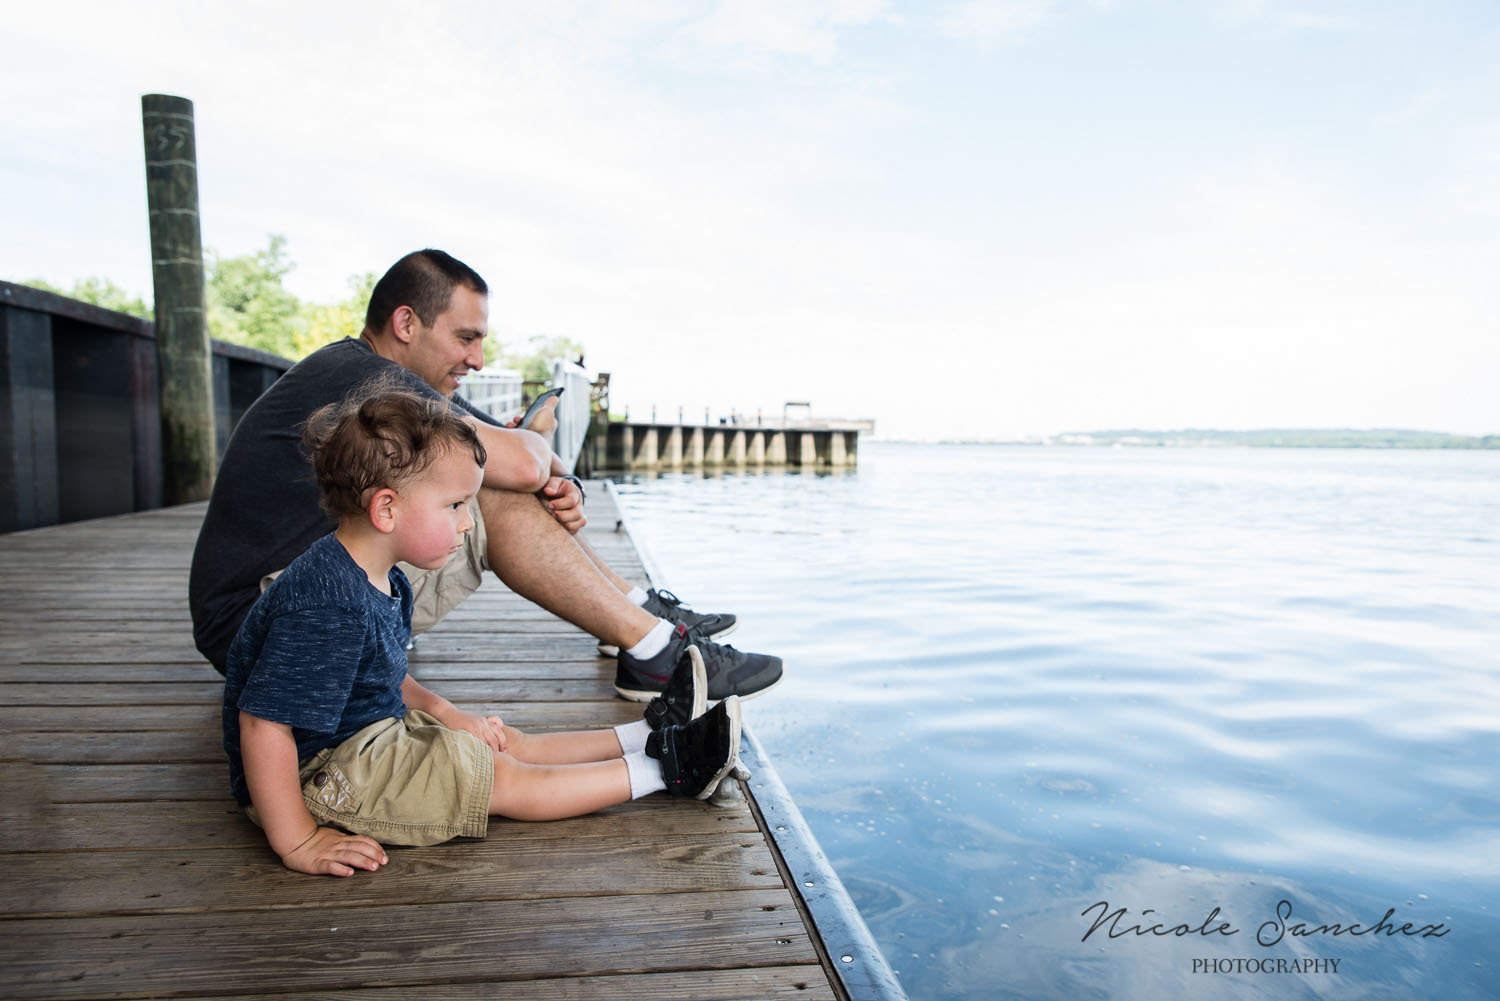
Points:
x=382 y=510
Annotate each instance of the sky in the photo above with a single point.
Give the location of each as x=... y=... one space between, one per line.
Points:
x=970 y=219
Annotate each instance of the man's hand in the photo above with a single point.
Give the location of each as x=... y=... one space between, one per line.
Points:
x=490 y=729
x=545 y=421
x=331 y=852
x=564 y=501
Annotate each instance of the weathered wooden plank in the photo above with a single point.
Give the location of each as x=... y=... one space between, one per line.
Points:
x=498 y=868
x=24 y=693
x=102 y=784
x=437 y=671
x=210 y=691
x=154 y=648
x=218 y=822
x=438 y=942
x=106 y=721
x=118 y=673
x=805 y=983
x=536 y=640
x=140 y=746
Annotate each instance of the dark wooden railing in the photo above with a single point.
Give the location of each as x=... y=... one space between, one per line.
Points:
x=80 y=411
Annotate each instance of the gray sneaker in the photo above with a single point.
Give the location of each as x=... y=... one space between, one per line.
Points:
x=666 y=605
x=729 y=671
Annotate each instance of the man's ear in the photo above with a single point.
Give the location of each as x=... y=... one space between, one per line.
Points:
x=405 y=323
x=382 y=510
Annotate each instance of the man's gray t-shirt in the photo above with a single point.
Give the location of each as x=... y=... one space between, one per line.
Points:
x=264 y=510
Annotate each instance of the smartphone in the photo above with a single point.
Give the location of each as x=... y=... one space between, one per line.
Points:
x=536 y=405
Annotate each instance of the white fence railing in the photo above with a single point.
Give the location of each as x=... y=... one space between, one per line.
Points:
x=572 y=410
x=499 y=395
x=496 y=392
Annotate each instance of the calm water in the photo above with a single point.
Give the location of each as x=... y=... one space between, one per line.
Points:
x=1025 y=680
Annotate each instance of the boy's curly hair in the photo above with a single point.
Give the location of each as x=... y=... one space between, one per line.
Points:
x=382 y=435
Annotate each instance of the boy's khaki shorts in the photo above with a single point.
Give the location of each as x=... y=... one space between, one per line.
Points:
x=435 y=593
x=408 y=781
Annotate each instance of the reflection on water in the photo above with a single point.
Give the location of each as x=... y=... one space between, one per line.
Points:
x=1023 y=680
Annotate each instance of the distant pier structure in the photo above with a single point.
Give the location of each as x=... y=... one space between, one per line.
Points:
x=791 y=442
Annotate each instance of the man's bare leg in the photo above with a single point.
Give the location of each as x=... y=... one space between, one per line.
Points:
x=539 y=560
x=619 y=582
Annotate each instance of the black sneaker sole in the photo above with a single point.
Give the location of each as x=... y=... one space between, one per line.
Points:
x=733 y=712
x=636 y=694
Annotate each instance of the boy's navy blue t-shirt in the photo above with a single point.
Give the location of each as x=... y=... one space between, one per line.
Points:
x=322 y=651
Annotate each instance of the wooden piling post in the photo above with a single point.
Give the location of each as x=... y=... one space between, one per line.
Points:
x=182 y=344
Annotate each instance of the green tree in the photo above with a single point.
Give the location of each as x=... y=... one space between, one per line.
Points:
x=248 y=305
x=324 y=323
x=99 y=292
x=534 y=360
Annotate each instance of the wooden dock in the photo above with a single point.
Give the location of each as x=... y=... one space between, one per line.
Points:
x=128 y=871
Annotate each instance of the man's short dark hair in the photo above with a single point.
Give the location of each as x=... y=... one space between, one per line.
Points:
x=380 y=436
x=423 y=280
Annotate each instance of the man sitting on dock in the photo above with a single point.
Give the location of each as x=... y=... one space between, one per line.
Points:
x=425 y=326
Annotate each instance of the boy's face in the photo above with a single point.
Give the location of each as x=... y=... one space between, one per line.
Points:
x=432 y=510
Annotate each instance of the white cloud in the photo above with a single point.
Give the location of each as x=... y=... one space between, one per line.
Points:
x=1317 y=15
x=992 y=22
x=806 y=28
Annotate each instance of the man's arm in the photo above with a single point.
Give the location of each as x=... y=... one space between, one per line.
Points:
x=489 y=729
x=505 y=470
x=518 y=459
x=269 y=753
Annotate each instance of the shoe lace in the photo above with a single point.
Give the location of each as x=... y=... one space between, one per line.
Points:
x=715 y=655
x=669 y=599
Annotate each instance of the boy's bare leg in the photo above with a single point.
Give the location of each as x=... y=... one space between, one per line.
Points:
x=539 y=560
x=524 y=791
x=574 y=747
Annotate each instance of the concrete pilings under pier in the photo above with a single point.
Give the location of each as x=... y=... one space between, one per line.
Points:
x=644 y=447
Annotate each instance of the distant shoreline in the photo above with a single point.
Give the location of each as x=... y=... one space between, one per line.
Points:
x=1381 y=438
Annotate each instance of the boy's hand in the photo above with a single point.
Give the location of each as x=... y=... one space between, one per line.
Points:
x=331 y=852
x=490 y=729
x=564 y=502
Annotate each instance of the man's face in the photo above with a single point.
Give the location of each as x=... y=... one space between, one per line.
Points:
x=445 y=352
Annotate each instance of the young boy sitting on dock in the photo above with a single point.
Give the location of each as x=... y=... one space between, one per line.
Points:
x=334 y=748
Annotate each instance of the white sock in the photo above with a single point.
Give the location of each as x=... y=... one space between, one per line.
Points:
x=632 y=736
x=645 y=774
x=653 y=642
x=637 y=596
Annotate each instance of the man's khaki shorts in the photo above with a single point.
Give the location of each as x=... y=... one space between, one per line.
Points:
x=435 y=593
x=408 y=781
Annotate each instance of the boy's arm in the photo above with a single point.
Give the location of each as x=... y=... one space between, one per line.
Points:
x=489 y=729
x=270 y=756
